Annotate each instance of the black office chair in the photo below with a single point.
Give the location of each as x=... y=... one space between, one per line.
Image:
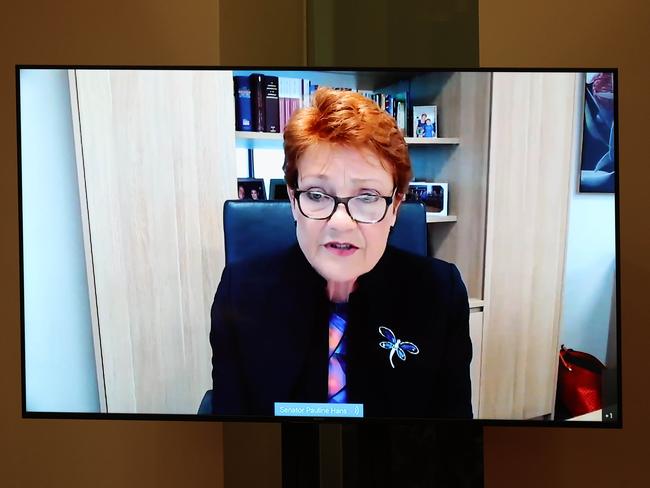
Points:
x=247 y=222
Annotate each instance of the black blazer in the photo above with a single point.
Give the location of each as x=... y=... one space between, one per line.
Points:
x=269 y=337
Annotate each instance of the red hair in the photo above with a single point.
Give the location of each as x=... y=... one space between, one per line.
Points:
x=348 y=118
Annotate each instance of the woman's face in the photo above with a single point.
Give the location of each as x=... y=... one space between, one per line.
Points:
x=342 y=171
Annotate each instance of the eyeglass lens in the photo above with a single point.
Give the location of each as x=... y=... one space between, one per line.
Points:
x=364 y=208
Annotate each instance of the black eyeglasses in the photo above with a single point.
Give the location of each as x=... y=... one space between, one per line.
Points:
x=365 y=209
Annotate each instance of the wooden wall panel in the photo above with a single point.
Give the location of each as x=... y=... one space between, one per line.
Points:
x=530 y=163
x=158 y=162
x=468 y=117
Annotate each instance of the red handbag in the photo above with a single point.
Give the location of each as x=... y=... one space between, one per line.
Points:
x=579 y=383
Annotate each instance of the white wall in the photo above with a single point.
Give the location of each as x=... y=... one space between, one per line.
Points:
x=589 y=274
x=59 y=358
x=589 y=282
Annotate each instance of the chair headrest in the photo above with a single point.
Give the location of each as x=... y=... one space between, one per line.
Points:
x=255 y=228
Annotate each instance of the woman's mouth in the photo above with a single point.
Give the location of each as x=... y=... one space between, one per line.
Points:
x=341 y=248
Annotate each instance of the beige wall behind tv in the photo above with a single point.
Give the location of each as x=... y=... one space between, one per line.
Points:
x=78 y=453
x=75 y=453
x=583 y=33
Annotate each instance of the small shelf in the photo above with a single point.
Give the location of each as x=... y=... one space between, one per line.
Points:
x=428 y=141
x=261 y=140
x=260 y=136
x=433 y=218
x=476 y=303
x=258 y=140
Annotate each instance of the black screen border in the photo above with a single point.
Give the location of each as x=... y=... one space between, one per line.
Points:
x=616 y=423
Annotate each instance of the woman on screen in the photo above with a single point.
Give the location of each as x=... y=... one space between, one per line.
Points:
x=342 y=317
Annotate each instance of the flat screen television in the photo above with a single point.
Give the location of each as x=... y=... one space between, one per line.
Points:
x=151 y=288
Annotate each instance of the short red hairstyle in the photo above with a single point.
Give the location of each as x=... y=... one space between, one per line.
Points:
x=348 y=118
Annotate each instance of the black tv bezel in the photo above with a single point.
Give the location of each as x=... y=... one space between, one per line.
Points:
x=616 y=423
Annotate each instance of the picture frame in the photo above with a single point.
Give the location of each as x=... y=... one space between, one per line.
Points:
x=251 y=189
x=278 y=189
x=425 y=121
x=598 y=156
x=434 y=196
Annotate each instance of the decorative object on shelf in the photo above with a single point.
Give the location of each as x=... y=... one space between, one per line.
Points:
x=250 y=189
x=598 y=163
x=425 y=121
x=434 y=196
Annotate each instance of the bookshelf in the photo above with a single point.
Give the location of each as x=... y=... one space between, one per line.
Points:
x=458 y=156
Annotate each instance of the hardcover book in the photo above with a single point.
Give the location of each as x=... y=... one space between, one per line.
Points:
x=306 y=95
x=243 y=107
x=257 y=101
x=291 y=98
x=271 y=104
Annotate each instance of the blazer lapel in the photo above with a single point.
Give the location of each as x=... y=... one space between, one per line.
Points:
x=295 y=348
x=371 y=378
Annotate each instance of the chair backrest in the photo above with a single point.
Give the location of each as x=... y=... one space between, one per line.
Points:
x=247 y=224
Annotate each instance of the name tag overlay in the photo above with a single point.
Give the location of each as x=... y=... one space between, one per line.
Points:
x=351 y=410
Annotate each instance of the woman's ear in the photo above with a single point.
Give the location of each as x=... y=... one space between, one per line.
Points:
x=399 y=197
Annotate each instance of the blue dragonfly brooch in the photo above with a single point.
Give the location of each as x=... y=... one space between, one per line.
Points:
x=396 y=346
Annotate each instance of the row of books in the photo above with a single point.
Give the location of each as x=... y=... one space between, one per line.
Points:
x=396 y=105
x=265 y=103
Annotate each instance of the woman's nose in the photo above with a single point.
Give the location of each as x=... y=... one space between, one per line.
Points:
x=341 y=218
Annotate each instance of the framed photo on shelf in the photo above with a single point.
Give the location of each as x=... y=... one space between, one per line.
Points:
x=278 y=189
x=250 y=189
x=434 y=196
x=425 y=121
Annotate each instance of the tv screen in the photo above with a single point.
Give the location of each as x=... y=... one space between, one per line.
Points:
x=436 y=244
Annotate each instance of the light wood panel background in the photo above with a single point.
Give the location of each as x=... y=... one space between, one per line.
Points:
x=465 y=114
x=463 y=101
x=158 y=163
x=530 y=163
x=85 y=229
